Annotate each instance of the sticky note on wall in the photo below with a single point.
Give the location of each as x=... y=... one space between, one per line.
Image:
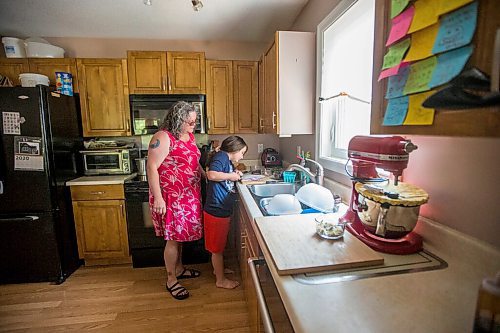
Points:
x=456 y=29
x=397 y=83
x=397 y=6
x=417 y=114
x=395 y=113
x=426 y=14
x=396 y=53
x=400 y=25
x=420 y=76
x=422 y=43
x=449 y=65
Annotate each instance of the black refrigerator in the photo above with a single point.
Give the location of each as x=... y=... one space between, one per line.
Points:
x=40 y=133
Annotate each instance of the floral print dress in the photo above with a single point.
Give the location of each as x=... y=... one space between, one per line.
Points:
x=180 y=186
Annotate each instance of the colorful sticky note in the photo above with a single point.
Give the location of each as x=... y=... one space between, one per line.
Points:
x=449 y=65
x=422 y=43
x=400 y=25
x=456 y=29
x=426 y=14
x=397 y=83
x=395 y=54
x=395 y=113
x=397 y=6
x=417 y=114
x=446 y=6
x=392 y=71
x=420 y=76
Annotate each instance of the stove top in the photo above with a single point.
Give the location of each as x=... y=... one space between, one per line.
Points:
x=136 y=184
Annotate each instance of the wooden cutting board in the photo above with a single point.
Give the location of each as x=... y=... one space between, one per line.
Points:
x=296 y=248
x=249 y=179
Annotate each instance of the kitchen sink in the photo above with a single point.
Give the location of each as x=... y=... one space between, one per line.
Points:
x=270 y=190
x=393 y=264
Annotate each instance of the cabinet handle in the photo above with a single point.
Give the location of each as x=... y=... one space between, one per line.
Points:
x=208 y=126
x=266 y=318
x=163 y=84
x=97 y=192
x=274 y=123
x=169 y=84
x=261 y=123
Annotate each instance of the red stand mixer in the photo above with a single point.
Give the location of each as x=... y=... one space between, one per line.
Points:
x=382 y=215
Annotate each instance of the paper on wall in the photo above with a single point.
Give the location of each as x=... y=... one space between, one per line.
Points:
x=417 y=114
x=400 y=25
x=395 y=112
x=11 y=123
x=420 y=76
x=28 y=153
x=426 y=14
x=449 y=65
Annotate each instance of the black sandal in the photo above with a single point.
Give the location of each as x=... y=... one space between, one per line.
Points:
x=192 y=273
x=182 y=293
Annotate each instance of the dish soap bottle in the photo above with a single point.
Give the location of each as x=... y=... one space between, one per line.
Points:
x=487 y=318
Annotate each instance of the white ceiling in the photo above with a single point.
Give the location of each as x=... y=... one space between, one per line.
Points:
x=228 y=20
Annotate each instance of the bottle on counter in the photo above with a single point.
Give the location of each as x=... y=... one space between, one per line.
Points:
x=487 y=318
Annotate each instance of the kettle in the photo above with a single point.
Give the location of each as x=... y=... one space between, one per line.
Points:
x=141 y=164
x=270 y=158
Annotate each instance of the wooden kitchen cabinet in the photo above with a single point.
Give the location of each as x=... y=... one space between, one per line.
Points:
x=104 y=97
x=249 y=249
x=157 y=72
x=49 y=67
x=101 y=226
x=232 y=96
x=289 y=86
x=12 y=67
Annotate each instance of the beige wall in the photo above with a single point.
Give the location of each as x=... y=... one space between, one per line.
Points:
x=117 y=48
x=461 y=175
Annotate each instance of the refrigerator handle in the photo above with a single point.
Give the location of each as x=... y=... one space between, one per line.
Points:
x=20 y=219
x=1 y=187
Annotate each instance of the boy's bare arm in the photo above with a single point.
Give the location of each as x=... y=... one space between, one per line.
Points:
x=218 y=176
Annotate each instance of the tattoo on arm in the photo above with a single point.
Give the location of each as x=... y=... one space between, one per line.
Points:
x=155 y=144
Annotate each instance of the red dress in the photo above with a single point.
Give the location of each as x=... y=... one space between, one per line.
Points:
x=180 y=186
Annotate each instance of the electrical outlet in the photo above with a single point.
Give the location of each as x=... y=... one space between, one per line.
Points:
x=260 y=147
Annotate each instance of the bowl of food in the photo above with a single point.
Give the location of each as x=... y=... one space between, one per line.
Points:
x=328 y=226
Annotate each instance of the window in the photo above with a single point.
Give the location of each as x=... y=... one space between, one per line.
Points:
x=344 y=79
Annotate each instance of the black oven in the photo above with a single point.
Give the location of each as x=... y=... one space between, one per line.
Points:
x=146 y=248
x=273 y=313
x=148 y=111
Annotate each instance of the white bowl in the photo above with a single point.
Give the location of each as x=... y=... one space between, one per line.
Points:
x=317 y=197
x=32 y=79
x=282 y=204
x=42 y=50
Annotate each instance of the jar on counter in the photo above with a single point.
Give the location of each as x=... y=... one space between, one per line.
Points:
x=487 y=318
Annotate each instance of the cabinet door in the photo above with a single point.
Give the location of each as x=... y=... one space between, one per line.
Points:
x=101 y=229
x=186 y=72
x=270 y=115
x=104 y=97
x=11 y=68
x=147 y=71
x=220 y=97
x=246 y=96
x=49 y=67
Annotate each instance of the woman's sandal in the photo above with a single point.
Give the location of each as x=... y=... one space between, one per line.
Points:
x=189 y=273
x=178 y=292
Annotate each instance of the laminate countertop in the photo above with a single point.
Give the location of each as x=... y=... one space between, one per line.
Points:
x=441 y=300
x=100 y=180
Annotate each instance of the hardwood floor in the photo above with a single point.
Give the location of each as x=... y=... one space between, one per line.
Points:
x=122 y=299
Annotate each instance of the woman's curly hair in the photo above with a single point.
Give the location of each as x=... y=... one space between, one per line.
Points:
x=176 y=116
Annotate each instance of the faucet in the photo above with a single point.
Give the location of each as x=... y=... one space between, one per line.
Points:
x=318 y=177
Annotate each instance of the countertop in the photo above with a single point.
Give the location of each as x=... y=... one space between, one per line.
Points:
x=433 y=301
x=100 y=180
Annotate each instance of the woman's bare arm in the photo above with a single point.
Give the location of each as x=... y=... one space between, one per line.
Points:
x=159 y=148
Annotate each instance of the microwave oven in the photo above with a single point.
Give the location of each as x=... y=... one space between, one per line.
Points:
x=148 y=111
x=114 y=161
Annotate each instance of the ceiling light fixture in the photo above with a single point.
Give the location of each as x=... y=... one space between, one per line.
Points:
x=148 y=2
x=197 y=5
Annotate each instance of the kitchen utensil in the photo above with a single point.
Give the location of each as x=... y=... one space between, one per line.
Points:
x=295 y=247
x=383 y=216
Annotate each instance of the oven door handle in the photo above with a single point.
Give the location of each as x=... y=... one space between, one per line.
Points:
x=266 y=319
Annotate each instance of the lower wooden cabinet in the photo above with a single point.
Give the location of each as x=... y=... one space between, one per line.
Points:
x=101 y=225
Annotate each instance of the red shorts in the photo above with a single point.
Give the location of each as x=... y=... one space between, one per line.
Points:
x=216 y=230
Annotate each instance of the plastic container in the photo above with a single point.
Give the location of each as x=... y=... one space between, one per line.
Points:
x=289 y=176
x=281 y=204
x=317 y=197
x=14 y=47
x=32 y=79
x=487 y=318
x=42 y=50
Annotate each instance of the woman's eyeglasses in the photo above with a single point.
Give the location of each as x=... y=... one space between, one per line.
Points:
x=190 y=123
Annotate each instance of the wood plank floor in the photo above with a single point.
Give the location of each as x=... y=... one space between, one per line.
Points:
x=122 y=299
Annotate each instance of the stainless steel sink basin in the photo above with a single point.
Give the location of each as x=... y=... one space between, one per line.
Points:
x=270 y=190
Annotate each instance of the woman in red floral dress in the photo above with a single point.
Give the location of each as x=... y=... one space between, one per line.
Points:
x=174 y=182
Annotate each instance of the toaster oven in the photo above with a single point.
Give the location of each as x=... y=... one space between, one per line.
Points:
x=113 y=161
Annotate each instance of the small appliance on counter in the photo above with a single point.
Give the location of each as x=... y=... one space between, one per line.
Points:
x=270 y=158
x=380 y=214
x=109 y=157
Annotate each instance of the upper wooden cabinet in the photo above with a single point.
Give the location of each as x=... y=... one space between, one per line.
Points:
x=104 y=97
x=156 y=72
x=232 y=96
x=49 y=67
x=12 y=67
x=289 y=72
x=477 y=122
